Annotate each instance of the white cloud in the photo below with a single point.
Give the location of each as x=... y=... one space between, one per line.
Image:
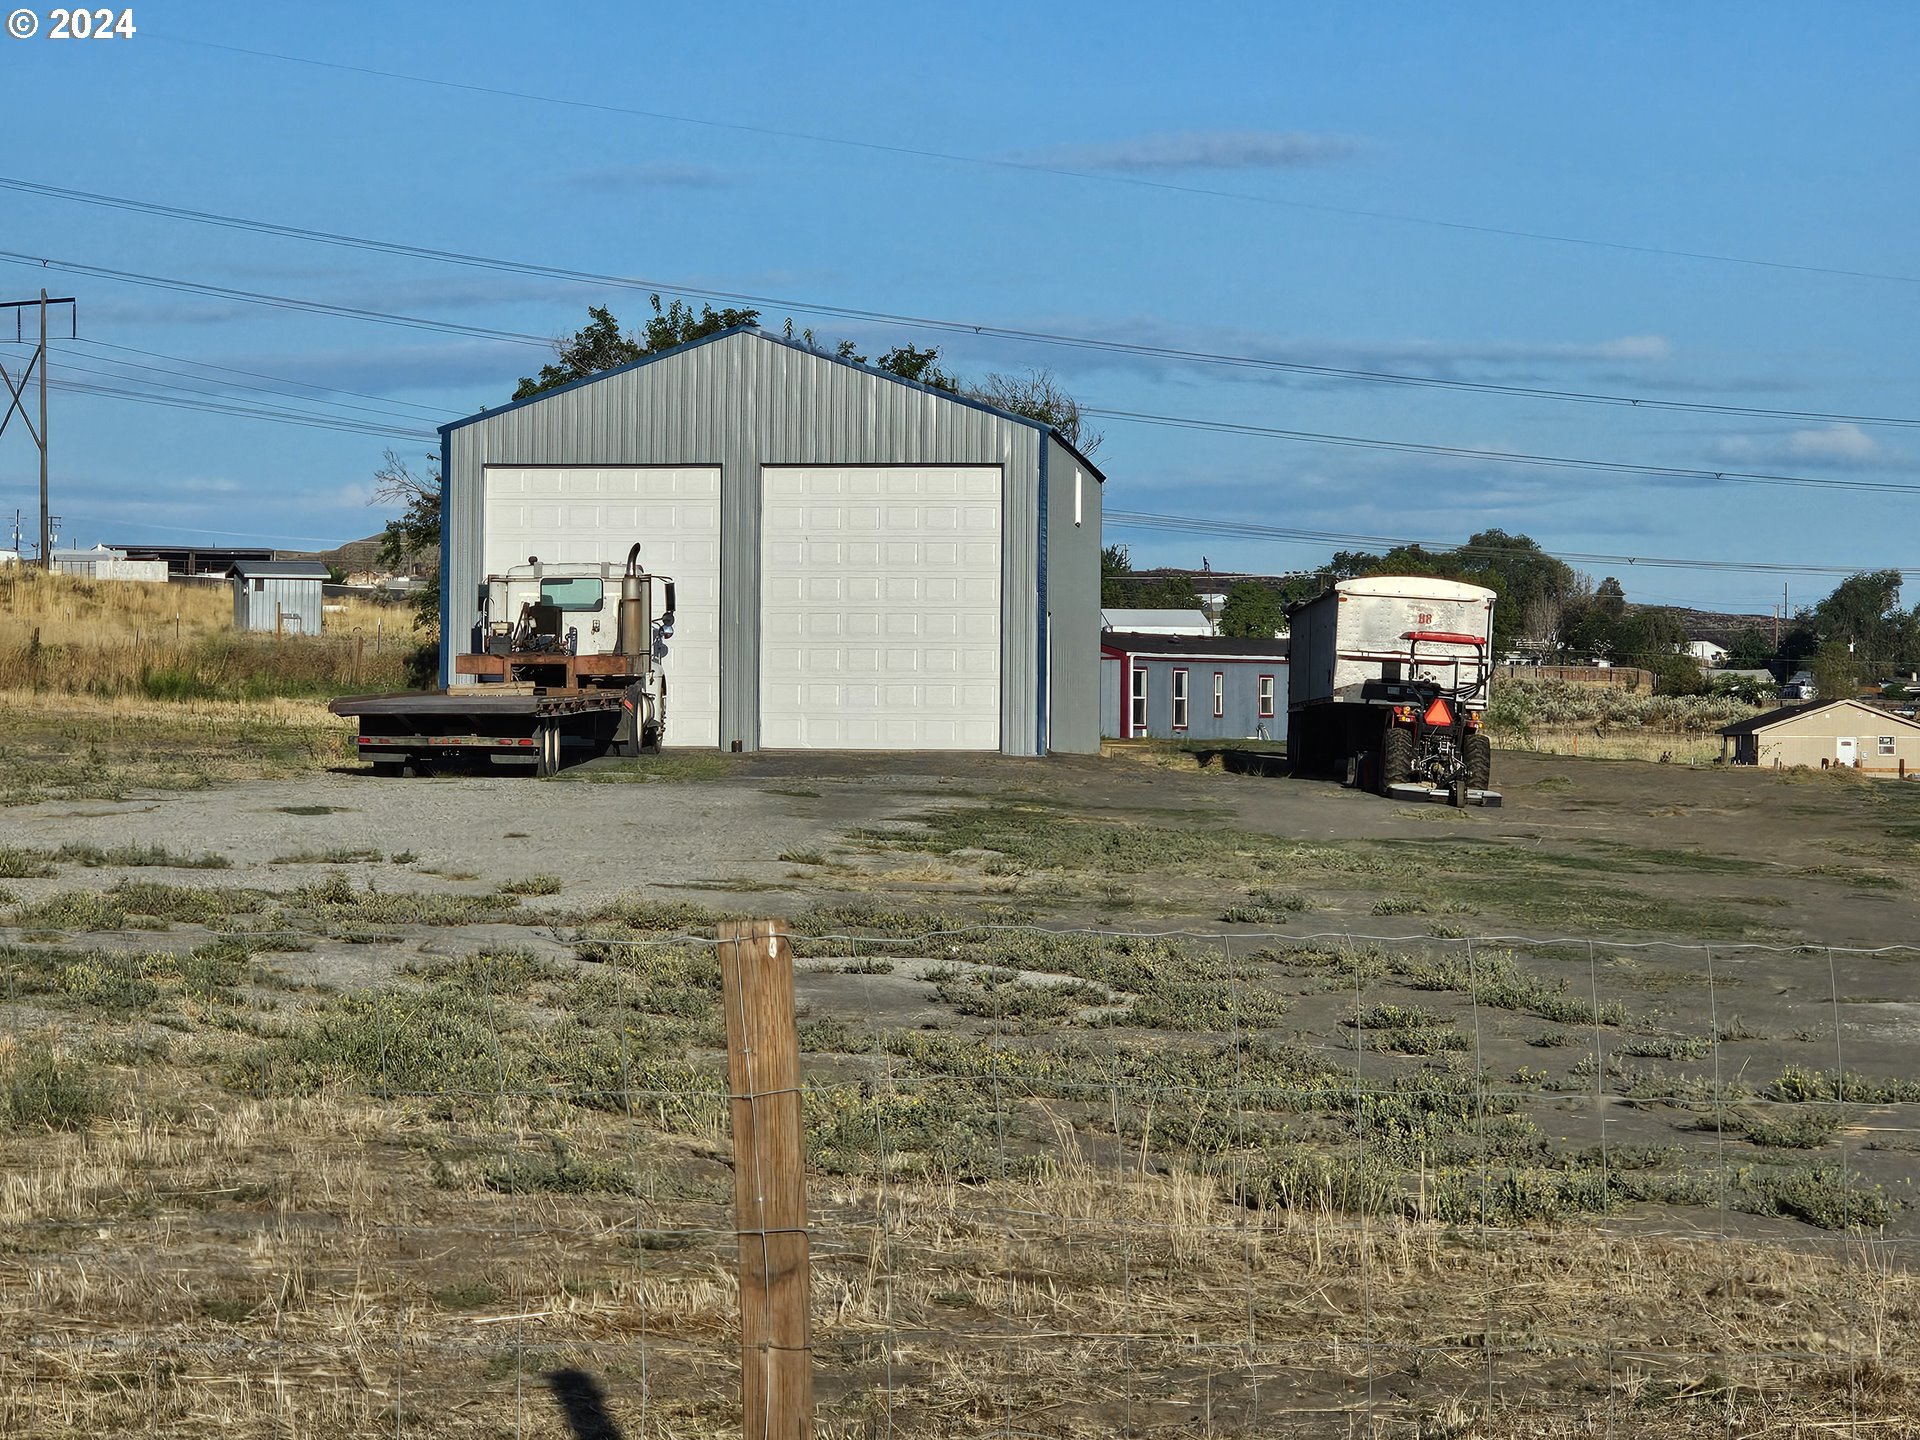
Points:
x=1204 y=150
x=1846 y=446
x=1846 y=443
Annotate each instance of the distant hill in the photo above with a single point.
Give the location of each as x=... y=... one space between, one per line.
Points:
x=361 y=557
x=1715 y=625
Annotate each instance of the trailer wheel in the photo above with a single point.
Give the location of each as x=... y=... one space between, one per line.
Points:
x=390 y=769
x=547 y=749
x=1479 y=754
x=1396 y=759
x=650 y=740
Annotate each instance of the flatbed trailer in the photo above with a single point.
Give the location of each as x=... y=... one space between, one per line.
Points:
x=511 y=726
x=551 y=679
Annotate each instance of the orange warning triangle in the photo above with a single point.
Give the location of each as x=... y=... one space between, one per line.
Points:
x=1438 y=715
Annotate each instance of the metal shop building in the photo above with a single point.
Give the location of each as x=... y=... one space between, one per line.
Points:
x=1192 y=687
x=862 y=563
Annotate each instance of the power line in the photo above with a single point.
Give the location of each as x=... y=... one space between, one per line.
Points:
x=1250 y=530
x=1018 y=334
x=215 y=399
x=1139 y=417
x=259 y=375
x=1040 y=167
x=280 y=302
x=317 y=422
x=1503 y=457
x=222 y=387
x=1124 y=519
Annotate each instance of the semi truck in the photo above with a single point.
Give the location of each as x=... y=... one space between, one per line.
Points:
x=567 y=661
x=1387 y=680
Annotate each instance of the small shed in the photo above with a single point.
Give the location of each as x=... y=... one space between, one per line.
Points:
x=1192 y=687
x=1826 y=734
x=279 y=597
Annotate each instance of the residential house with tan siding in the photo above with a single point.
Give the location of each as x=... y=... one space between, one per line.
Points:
x=1826 y=734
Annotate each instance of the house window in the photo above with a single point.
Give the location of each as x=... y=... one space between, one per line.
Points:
x=1266 y=697
x=1219 y=695
x=1079 y=481
x=259 y=586
x=1179 y=699
x=1886 y=744
x=1139 y=726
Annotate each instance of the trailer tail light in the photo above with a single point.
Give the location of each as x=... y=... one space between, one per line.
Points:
x=1403 y=714
x=1473 y=720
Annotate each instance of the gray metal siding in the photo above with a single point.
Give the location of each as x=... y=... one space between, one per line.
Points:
x=1073 y=600
x=1242 y=720
x=742 y=402
x=293 y=606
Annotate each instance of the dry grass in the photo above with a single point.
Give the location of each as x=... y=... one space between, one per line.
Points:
x=68 y=610
x=112 y=686
x=64 y=746
x=334 y=1267
x=175 y=641
x=1676 y=749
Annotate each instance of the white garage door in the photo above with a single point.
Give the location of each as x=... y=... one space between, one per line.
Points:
x=595 y=514
x=880 y=608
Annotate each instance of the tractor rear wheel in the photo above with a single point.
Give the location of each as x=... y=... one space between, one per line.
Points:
x=1479 y=756
x=1396 y=759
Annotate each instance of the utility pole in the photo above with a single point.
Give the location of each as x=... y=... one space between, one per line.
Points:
x=16 y=398
x=46 y=544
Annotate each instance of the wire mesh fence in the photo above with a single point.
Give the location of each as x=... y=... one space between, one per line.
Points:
x=1062 y=1182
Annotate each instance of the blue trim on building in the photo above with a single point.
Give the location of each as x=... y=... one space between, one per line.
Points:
x=446 y=558
x=1046 y=700
x=758 y=333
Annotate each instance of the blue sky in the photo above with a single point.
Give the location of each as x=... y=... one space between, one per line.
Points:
x=1767 y=131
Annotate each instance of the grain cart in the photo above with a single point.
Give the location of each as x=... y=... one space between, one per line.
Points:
x=566 y=660
x=1387 y=678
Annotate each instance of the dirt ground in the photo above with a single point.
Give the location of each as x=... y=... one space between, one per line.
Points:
x=335 y=1104
x=1813 y=859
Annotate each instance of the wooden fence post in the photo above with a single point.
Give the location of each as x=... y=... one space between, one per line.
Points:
x=769 y=1180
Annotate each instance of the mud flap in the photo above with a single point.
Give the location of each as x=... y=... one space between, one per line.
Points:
x=638 y=730
x=626 y=732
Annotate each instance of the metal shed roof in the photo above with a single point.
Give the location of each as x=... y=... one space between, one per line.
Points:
x=1770 y=718
x=278 y=570
x=759 y=334
x=1210 y=647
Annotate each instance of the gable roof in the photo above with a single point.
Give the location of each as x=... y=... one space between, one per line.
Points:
x=1119 y=617
x=278 y=570
x=1212 y=647
x=758 y=334
x=1766 y=720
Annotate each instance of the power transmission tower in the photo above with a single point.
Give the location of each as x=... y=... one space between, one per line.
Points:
x=16 y=394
